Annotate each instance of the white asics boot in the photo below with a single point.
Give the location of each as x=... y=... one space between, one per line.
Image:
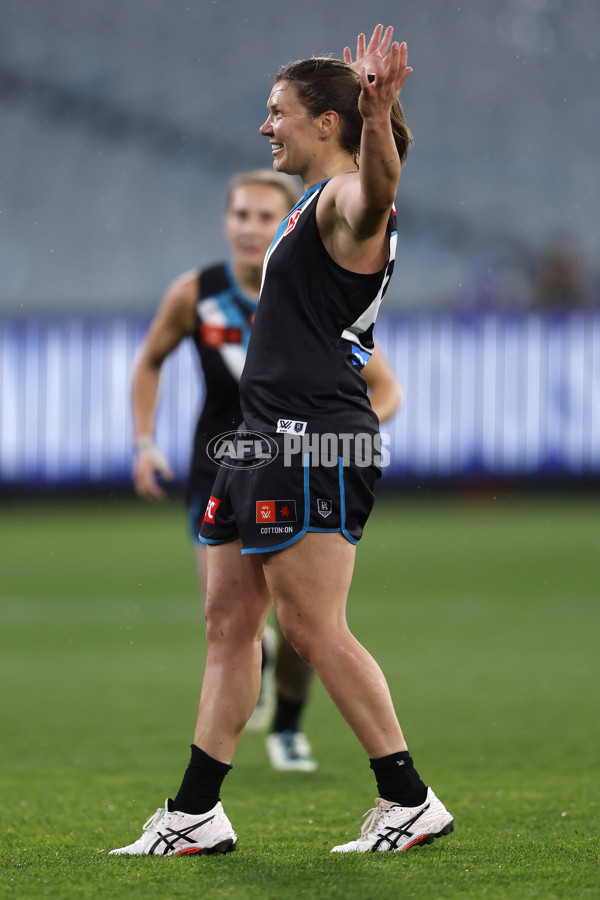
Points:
x=173 y=833
x=390 y=826
x=289 y=751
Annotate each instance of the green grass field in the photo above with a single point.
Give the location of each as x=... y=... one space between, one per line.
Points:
x=484 y=616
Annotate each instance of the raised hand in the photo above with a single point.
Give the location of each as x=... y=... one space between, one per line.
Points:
x=381 y=73
x=377 y=43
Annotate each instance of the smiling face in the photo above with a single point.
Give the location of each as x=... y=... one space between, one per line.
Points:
x=293 y=135
x=251 y=220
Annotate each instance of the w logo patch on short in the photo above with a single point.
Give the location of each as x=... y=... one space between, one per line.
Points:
x=275 y=511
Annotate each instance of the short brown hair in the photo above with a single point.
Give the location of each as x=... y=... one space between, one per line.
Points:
x=324 y=83
x=267 y=178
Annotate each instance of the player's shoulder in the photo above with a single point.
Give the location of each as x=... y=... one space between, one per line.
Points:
x=345 y=181
x=185 y=286
x=179 y=301
x=213 y=280
x=190 y=289
x=334 y=196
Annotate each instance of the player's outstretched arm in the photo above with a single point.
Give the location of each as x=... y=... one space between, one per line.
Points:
x=382 y=67
x=173 y=321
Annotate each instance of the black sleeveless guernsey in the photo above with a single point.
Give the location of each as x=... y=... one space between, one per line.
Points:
x=313 y=332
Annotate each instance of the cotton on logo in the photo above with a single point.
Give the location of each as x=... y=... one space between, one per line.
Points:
x=292 y=221
x=211 y=508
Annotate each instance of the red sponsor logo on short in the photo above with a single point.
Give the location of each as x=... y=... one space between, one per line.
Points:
x=276 y=511
x=211 y=508
x=293 y=219
x=265 y=510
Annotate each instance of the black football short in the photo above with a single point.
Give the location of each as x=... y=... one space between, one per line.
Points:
x=196 y=507
x=201 y=477
x=198 y=490
x=272 y=506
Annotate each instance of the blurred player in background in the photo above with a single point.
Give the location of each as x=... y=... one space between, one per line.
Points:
x=215 y=307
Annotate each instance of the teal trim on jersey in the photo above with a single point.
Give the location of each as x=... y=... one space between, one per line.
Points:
x=234 y=316
x=346 y=534
x=299 y=205
x=305 y=465
x=247 y=302
x=235 y=306
x=360 y=357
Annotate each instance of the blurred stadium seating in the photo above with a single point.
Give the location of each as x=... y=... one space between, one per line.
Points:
x=121 y=124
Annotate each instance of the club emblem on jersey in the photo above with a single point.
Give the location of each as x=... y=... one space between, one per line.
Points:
x=324 y=507
x=290 y=426
x=292 y=221
x=211 y=508
x=275 y=511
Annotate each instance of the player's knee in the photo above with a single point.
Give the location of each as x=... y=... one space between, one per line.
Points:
x=225 y=624
x=298 y=636
x=220 y=625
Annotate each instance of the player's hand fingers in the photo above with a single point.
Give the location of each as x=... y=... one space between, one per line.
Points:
x=375 y=39
x=402 y=70
x=396 y=69
x=386 y=40
x=360 y=46
x=149 y=490
x=156 y=494
x=150 y=463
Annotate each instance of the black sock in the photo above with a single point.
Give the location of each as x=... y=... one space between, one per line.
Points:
x=201 y=783
x=397 y=779
x=287 y=714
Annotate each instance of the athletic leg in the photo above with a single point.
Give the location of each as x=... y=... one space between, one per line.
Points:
x=237 y=604
x=309 y=584
x=200 y=554
x=236 y=609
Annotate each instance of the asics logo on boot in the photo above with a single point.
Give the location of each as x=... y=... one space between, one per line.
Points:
x=171 y=836
x=393 y=835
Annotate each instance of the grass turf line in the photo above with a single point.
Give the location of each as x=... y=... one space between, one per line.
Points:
x=483 y=615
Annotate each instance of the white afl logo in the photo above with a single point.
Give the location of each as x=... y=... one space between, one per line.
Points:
x=247 y=450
